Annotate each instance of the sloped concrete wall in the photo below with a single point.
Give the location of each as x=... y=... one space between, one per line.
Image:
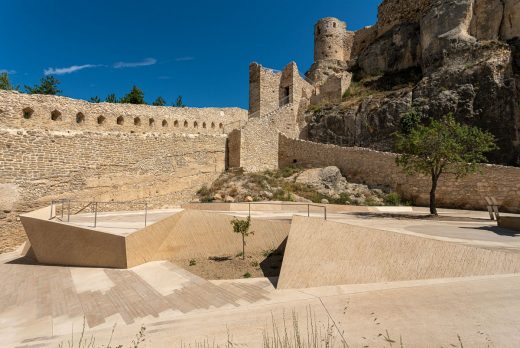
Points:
x=320 y=253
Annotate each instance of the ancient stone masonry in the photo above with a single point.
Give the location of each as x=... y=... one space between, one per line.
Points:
x=60 y=113
x=56 y=147
x=378 y=168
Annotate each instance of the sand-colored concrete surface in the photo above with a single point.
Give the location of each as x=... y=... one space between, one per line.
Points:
x=203 y=234
x=320 y=253
x=57 y=243
x=168 y=235
x=40 y=306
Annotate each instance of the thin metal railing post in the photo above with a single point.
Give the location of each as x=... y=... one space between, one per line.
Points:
x=308 y=210
x=52 y=207
x=325 y=209
x=95 y=214
x=68 y=212
x=249 y=209
x=62 y=208
x=145 y=213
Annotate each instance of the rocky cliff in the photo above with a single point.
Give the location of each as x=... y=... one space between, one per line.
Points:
x=437 y=56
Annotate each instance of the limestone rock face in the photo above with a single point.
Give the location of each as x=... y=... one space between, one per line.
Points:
x=398 y=49
x=331 y=79
x=479 y=89
x=465 y=58
x=445 y=27
x=487 y=19
x=511 y=23
x=369 y=124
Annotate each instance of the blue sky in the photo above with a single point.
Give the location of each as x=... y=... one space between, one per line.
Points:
x=198 y=49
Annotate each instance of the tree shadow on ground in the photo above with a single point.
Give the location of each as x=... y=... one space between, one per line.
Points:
x=407 y=216
x=496 y=230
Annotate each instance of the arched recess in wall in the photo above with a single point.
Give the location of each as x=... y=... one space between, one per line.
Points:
x=137 y=121
x=80 y=118
x=212 y=125
x=120 y=120
x=56 y=115
x=203 y=124
x=195 y=124
x=27 y=113
x=185 y=123
x=176 y=123
x=101 y=119
x=151 y=122
x=164 y=123
x=220 y=125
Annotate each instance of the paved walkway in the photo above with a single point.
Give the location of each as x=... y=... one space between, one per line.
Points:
x=41 y=305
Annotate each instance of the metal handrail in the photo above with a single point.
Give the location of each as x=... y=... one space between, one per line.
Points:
x=94 y=204
x=309 y=205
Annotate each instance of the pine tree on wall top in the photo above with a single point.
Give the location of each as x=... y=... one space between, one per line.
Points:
x=159 y=102
x=48 y=85
x=5 y=83
x=135 y=96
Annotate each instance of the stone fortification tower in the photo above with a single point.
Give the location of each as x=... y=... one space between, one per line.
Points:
x=331 y=40
x=332 y=50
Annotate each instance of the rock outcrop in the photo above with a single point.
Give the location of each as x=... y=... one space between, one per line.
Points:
x=467 y=56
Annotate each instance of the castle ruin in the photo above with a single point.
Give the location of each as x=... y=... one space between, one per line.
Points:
x=57 y=147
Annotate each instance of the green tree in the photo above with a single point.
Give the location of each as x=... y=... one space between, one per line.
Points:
x=242 y=227
x=443 y=146
x=5 y=83
x=111 y=98
x=179 y=103
x=159 y=102
x=95 y=99
x=48 y=85
x=135 y=96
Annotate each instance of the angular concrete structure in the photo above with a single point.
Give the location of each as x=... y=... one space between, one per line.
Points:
x=320 y=253
x=187 y=233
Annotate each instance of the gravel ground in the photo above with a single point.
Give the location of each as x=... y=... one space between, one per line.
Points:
x=12 y=235
x=254 y=266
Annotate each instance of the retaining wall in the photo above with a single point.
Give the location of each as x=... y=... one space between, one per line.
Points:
x=371 y=167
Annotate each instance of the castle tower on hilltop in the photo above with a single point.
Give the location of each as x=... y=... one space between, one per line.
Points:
x=331 y=40
x=332 y=50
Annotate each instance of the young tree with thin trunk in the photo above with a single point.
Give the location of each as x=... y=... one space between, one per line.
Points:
x=443 y=146
x=242 y=227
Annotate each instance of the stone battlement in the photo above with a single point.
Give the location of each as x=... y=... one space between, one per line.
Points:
x=18 y=110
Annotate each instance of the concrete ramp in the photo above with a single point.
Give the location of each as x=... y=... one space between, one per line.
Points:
x=320 y=253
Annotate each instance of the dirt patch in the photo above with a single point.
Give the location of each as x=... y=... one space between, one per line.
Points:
x=265 y=264
x=12 y=235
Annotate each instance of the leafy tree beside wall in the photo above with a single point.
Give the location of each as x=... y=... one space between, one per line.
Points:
x=48 y=85
x=442 y=146
x=95 y=99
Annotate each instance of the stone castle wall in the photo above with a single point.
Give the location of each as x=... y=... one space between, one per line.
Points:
x=47 y=154
x=378 y=168
x=31 y=111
